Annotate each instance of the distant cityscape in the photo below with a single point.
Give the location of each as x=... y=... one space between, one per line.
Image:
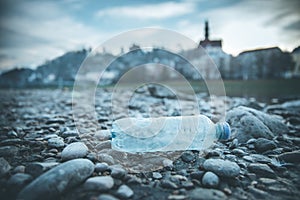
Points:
x=266 y=63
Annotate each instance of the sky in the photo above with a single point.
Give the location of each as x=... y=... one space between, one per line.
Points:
x=33 y=31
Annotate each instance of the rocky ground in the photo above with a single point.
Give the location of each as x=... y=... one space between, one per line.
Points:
x=44 y=156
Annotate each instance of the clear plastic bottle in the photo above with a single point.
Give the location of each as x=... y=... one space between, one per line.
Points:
x=166 y=133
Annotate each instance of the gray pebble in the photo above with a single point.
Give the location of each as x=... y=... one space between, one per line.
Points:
x=103 y=157
x=263 y=144
x=222 y=167
x=187 y=156
x=204 y=193
x=118 y=172
x=69 y=133
x=18 y=181
x=37 y=168
x=99 y=183
x=262 y=170
x=210 y=180
x=124 y=192
x=101 y=167
x=156 y=175
x=107 y=197
x=8 y=151
x=74 y=150
x=168 y=184
x=290 y=157
x=4 y=167
x=56 y=142
x=56 y=181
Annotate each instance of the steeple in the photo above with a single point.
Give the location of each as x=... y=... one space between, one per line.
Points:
x=206 y=29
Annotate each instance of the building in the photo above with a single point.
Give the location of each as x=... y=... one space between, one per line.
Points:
x=214 y=49
x=296 y=59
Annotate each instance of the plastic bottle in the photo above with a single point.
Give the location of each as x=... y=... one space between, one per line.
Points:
x=166 y=133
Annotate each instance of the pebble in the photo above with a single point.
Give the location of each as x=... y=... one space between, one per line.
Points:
x=290 y=157
x=69 y=133
x=99 y=183
x=17 y=181
x=156 y=175
x=187 y=156
x=55 y=121
x=56 y=142
x=8 y=151
x=37 y=168
x=262 y=170
x=177 y=197
x=103 y=157
x=101 y=167
x=118 y=172
x=222 y=167
x=204 y=193
x=247 y=123
x=56 y=181
x=168 y=163
x=19 y=169
x=168 y=184
x=74 y=150
x=106 y=197
x=197 y=175
x=210 y=180
x=124 y=192
x=263 y=144
x=4 y=167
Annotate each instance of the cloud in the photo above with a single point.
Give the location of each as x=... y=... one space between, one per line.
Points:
x=149 y=11
x=38 y=31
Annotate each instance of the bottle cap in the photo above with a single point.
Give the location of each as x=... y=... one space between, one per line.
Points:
x=225 y=131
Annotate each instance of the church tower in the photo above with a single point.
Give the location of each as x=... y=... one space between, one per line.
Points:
x=207 y=43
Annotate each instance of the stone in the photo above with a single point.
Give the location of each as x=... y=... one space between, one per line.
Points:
x=17 y=181
x=177 y=197
x=4 y=167
x=197 y=175
x=156 y=175
x=99 y=183
x=118 y=172
x=19 y=169
x=222 y=167
x=56 y=142
x=106 y=197
x=161 y=92
x=56 y=181
x=204 y=194
x=168 y=163
x=258 y=194
x=103 y=157
x=74 y=150
x=262 y=170
x=101 y=167
x=290 y=157
x=8 y=151
x=187 y=156
x=69 y=133
x=55 y=121
x=247 y=123
x=168 y=184
x=124 y=192
x=210 y=180
x=262 y=144
x=37 y=168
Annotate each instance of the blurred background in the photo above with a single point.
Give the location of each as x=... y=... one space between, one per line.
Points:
x=254 y=44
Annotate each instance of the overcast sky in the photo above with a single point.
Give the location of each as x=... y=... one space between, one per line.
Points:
x=34 y=31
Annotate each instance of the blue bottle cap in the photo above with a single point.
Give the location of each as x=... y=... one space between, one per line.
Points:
x=226 y=131
x=223 y=131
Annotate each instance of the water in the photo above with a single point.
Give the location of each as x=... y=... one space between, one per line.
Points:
x=166 y=133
